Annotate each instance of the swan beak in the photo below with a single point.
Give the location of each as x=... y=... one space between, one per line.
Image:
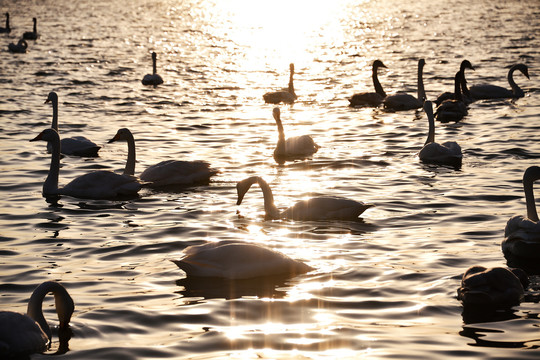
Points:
x=39 y=137
x=115 y=138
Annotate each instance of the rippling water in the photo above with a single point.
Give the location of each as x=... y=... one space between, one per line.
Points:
x=384 y=286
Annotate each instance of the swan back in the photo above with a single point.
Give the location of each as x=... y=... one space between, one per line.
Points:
x=325 y=208
x=403 y=101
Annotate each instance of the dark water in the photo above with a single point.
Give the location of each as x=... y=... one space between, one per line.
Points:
x=383 y=287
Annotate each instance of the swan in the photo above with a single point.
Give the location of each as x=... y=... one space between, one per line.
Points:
x=402 y=101
x=296 y=147
x=154 y=78
x=76 y=145
x=453 y=109
x=494 y=287
x=448 y=153
x=100 y=184
x=286 y=96
x=487 y=91
x=318 y=208
x=6 y=29
x=19 y=48
x=31 y=35
x=25 y=334
x=165 y=173
x=465 y=64
x=370 y=98
x=236 y=260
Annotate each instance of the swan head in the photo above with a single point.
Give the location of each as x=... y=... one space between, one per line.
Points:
x=291 y=67
x=53 y=97
x=523 y=68
x=276 y=113
x=421 y=63
x=154 y=56
x=34 y=20
x=378 y=64
x=466 y=64
x=121 y=134
x=49 y=135
x=243 y=186
x=531 y=175
x=22 y=43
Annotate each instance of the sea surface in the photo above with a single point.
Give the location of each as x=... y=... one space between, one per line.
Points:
x=383 y=287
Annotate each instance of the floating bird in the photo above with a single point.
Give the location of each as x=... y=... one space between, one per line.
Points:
x=372 y=99
x=19 y=48
x=402 y=101
x=31 y=35
x=6 y=29
x=24 y=334
x=296 y=147
x=154 y=78
x=318 y=208
x=286 y=96
x=165 y=173
x=76 y=145
x=465 y=64
x=487 y=91
x=100 y=184
x=448 y=153
x=453 y=109
x=236 y=260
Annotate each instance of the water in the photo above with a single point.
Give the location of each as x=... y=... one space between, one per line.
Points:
x=383 y=287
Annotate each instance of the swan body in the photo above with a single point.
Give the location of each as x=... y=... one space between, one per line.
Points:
x=488 y=91
x=453 y=109
x=76 y=145
x=318 y=208
x=465 y=64
x=25 y=334
x=371 y=99
x=7 y=29
x=494 y=287
x=31 y=35
x=168 y=172
x=154 y=78
x=402 y=101
x=448 y=153
x=236 y=260
x=19 y=48
x=286 y=96
x=95 y=185
x=296 y=147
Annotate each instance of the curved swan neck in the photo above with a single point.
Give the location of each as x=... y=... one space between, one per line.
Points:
x=428 y=108
x=280 y=147
x=515 y=87
x=271 y=211
x=421 y=91
x=531 y=174
x=378 y=87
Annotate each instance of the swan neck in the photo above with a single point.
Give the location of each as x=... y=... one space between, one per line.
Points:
x=50 y=186
x=529 y=199
x=35 y=26
x=63 y=302
x=130 y=163
x=431 y=131
x=154 y=65
x=457 y=88
x=515 y=87
x=378 y=87
x=269 y=208
x=291 y=84
x=421 y=91
x=280 y=147
x=55 y=114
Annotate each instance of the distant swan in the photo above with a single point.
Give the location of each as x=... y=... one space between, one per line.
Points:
x=154 y=78
x=296 y=147
x=237 y=260
x=100 y=184
x=6 y=29
x=76 y=145
x=286 y=96
x=22 y=335
x=486 y=91
x=165 y=173
x=494 y=287
x=453 y=109
x=402 y=101
x=372 y=99
x=31 y=35
x=19 y=48
x=465 y=64
x=318 y=208
x=448 y=153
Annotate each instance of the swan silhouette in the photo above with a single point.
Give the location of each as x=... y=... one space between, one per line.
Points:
x=286 y=96
x=465 y=93
x=318 y=208
x=487 y=91
x=371 y=99
x=24 y=334
x=453 y=109
x=6 y=29
x=31 y=35
x=154 y=78
x=165 y=173
x=100 y=184
x=402 y=101
x=19 y=48
x=448 y=153
x=236 y=260
x=297 y=147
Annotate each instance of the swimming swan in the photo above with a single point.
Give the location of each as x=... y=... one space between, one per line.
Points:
x=6 y=29
x=372 y=99
x=448 y=153
x=453 y=109
x=31 y=35
x=76 y=145
x=465 y=64
x=286 y=96
x=19 y=48
x=318 y=208
x=154 y=78
x=486 y=91
x=237 y=260
x=402 y=101
x=296 y=147
x=24 y=334
x=169 y=172
x=100 y=184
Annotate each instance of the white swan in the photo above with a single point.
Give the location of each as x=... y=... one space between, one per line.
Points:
x=237 y=260
x=296 y=147
x=31 y=35
x=76 y=145
x=494 y=287
x=22 y=335
x=465 y=64
x=6 y=29
x=19 y=48
x=453 y=109
x=487 y=91
x=154 y=78
x=372 y=99
x=318 y=208
x=448 y=153
x=286 y=96
x=402 y=101
x=165 y=173
x=100 y=184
